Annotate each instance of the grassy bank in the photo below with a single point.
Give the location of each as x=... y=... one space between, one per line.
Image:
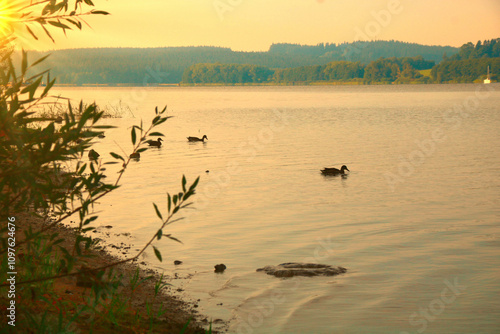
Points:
x=137 y=299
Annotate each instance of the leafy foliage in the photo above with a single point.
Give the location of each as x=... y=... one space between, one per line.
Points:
x=43 y=172
x=39 y=16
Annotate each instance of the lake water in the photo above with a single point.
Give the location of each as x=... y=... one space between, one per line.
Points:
x=416 y=222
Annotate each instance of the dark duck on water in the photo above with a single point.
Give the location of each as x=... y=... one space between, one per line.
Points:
x=197 y=139
x=155 y=143
x=335 y=171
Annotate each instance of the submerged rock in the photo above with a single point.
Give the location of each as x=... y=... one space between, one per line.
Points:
x=302 y=269
x=219 y=268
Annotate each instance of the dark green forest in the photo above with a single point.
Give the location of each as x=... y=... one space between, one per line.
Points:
x=355 y=63
x=470 y=63
x=365 y=52
x=383 y=70
x=152 y=66
x=226 y=74
x=467 y=70
x=485 y=49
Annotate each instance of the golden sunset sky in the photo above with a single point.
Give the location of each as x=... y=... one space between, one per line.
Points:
x=253 y=25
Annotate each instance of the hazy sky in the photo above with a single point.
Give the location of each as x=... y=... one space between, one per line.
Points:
x=253 y=25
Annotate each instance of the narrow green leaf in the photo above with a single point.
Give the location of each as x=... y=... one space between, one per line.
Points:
x=195 y=183
x=184 y=183
x=47 y=32
x=158 y=213
x=186 y=205
x=48 y=87
x=82 y=169
x=156 y=134
x=169 y=202
x=99 y=12
x=39 y=60
x=159 y=234
x=31 y=33
x=134 y=136
x=31 y=89
x=104 y=127
x=59 y=25
x=24 y=64
x=157 y=253
x=117 y=156
x=75 y=23
x=161 y=121
x=172 y=238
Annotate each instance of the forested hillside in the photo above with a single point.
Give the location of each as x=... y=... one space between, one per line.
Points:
x=470 y=63
x=467 y=70
x=166 y=65
x=366 y=52
x=485 y=49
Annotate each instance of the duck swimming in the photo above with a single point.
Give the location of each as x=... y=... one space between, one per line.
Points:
x=155 y=143
x=197 y=139
x=334 y=171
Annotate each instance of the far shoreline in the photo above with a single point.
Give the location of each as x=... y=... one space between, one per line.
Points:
x=296 y=84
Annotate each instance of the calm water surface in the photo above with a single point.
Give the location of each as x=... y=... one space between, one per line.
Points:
x=416 y=222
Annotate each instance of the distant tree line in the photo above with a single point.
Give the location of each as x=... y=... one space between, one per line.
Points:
x=401 y=70
x=470 y=63
x=467 y=70
x=485 y=49
x=365 y=52
x=363 y=62
x=226 y=74
x=150 y=66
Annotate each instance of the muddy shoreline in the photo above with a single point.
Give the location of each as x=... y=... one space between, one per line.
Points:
x=177 y=311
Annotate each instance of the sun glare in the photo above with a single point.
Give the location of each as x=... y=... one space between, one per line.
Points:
x=6 y=17
x=11 y=25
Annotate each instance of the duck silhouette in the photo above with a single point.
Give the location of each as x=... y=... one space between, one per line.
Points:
x=334 y=171
x=197 y=139
x=155 y=143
